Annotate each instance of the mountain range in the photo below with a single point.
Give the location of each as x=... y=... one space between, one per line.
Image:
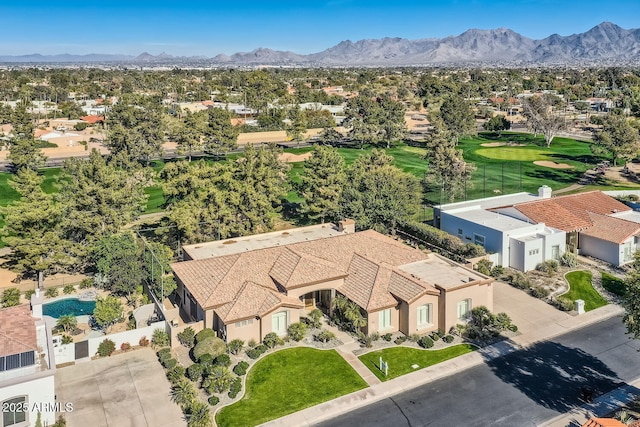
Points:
x=604 y=43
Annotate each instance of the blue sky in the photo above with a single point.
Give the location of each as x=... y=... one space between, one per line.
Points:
x=196 y=27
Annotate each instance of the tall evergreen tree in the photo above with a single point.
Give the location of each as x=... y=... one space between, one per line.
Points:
x=100 y=198
x=457 y=116
x=322 y=183
x=23 y=151
x=220 y=135
x=379 y=195
x=33 y=228
x=618 y=138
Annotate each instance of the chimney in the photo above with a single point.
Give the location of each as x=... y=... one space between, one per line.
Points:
x=347 y=226
x=544 y=192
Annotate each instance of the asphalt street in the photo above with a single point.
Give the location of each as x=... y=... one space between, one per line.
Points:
x=525 y=388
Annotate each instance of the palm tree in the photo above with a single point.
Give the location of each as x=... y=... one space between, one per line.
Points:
x=359 y=322
x=339 y=303
x=183 y=393
x=67 y=322
x=198 y=415
x=353 y=314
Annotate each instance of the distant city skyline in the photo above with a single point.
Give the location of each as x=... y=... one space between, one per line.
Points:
x=206 y=29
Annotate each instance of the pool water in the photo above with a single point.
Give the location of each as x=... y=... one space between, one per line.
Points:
x=68 y=306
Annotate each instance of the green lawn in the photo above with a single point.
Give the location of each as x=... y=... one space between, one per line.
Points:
x=580 y=288
x=401 y=359
x=510 y=169
x=289 y=381
x=613 y=284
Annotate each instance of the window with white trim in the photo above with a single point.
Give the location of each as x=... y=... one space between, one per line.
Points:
x=384 y=320
x=14 y=412
x=463 y=309
x=243 y=323
x=425 y=313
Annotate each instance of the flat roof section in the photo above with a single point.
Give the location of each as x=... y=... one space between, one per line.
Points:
x=633 y=216
x=492 y=220
x=492 y=202
x=441 y=272
x=261 y=241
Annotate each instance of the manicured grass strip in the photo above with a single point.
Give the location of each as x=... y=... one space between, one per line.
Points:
x=514 y=153
x=401 y=359
x=156 y=200
x=613 y=284
x=580 y=288
x=288 y=381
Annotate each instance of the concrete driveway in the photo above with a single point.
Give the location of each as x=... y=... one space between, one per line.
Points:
x=528 y=313
x=128 y=389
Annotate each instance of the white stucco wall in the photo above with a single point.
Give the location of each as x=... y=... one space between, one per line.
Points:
x=40 y=394
x=606 y=251
x=64 y=353
x=132 y=337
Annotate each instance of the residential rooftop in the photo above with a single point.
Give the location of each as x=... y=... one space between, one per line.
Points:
x=443 y=273
x=261 y=241
x=492 y=202
x=493 y=220
x=17 y=330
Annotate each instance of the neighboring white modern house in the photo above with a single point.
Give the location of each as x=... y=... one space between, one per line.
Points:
x=541 y=227
x=27 y=368
x=511 y=242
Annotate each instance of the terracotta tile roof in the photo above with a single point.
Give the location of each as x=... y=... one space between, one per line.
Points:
x=284 y=266
x=202 y=277
x=603 y=422
x=92 y=119
x=408 y=288
x=17 y=330
x=571 y=213
x=366 y=259
x=358 y=285
x=254 y=300
x=611 y=229
x=292 y=269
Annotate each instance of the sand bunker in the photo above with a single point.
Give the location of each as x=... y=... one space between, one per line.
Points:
x=502 y=144
x=552 y=165
x=293 y=158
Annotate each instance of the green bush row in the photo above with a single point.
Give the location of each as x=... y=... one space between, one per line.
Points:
x=441 y=239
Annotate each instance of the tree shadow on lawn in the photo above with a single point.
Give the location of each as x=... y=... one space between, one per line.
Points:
x=555 y=376
x=587 y=159
x=519 y=138
x=551 y=176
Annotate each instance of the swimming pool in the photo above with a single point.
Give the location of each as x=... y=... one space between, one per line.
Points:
x=68 y=306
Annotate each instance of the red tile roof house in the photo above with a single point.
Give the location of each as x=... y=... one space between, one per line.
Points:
x=596 y=224
x=248 y=287
x=27 y=368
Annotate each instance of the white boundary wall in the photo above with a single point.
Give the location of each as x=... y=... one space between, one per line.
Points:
x=132 y=337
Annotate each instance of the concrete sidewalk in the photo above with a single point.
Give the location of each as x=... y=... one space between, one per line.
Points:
x=376 y=392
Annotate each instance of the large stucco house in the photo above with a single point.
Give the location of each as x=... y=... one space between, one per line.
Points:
x=522 y=230
x=248 y=287
x=27 y=368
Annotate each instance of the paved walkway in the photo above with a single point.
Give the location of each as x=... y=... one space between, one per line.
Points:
x=349 y=344
x=522 y=308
